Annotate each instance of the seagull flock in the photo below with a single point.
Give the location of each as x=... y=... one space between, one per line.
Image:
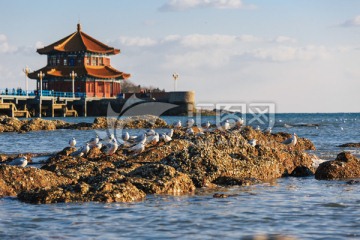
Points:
x=136 y=144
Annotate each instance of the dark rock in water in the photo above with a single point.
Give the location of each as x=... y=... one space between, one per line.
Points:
x=231 y=181
x=301 y=171
x=223 y=195
x=354 y=145
x=352 y=182
x=343 y=167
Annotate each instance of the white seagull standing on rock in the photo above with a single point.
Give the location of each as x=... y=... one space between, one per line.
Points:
x=226 y=125
x=206 y=125
x=138 y=148
x=190 y=122
x=72 y=142
x=94 y=141
x=165 y=137
x=291 y=142
x=21 y=162
x=177 y=124
x=111 y=147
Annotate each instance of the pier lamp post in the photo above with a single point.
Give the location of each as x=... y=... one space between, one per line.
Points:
x=41 y=75
x=73 y=75
x=175 y=76
x=26 y=70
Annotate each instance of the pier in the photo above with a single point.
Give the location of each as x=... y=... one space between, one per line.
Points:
x=66 y=104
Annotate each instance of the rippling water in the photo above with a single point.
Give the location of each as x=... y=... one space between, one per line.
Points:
x=301 y=207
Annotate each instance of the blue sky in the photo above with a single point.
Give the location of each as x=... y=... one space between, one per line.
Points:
x=303 y=55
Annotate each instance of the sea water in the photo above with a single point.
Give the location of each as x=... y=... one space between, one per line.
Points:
x=304 y=208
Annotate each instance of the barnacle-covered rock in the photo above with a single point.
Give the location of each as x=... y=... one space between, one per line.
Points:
x=15 y=179
x=345 y=166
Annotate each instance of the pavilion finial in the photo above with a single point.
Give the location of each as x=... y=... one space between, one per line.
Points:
x=79 y=27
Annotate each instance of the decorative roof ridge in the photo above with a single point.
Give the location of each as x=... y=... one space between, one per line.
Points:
x=110 y=49
x=71 y=36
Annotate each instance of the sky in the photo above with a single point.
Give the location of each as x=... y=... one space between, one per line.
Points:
x=301 y=55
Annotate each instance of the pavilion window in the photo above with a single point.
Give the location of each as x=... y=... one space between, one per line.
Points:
x=87 y=61
x=65 y=61
x=100 y=61
x=58 y=61
x=72 y=62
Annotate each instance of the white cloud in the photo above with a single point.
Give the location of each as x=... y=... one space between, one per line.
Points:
x=286 y=53
x=284 y=39
x=39 y=44
x=355 y=22
x=137 y=41
x=5 y=47
x=181 y=5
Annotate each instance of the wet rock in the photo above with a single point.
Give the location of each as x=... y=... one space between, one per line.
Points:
x=223 y=195
x=352 y=182
x=176 y=167
x=353 y=145
x=82 y=192
x=301 y=171
x=231 y=181
x=343 y=167
x=145 y=121
x=9 y=124
x=15 y=179
x=160 y=179
x=37 y=124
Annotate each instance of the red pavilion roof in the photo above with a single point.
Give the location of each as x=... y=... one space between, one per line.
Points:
x=101 y=72
x=77 y=42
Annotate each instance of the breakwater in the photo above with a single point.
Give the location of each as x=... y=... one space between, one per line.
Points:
x=182 y=103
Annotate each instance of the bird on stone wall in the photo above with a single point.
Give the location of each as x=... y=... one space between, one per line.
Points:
x=177 y=124
x=252 y=142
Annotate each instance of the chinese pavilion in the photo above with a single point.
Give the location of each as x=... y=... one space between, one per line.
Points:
x=85 y=56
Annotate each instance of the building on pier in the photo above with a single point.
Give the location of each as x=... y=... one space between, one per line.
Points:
x=79 y=64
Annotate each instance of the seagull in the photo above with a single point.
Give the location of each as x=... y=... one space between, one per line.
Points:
x=258 y=128
x=252 y=142
x=291 y=141
x=72 y=142
x=190 y=122
x=150 y=132
x=170 y=133
x=111 y=147
x=126 y=136
x=190 y=131
x=240 y=122
x=81 y=151
x=153 y=139
x=94 y=141
x=226 y=125
x=108 y=139
x=177 y=124
x=165 y=137
x=206 y=125
x=138 y=148
x=21 y=162
x=99 y=145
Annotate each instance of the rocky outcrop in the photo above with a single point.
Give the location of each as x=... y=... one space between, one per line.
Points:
x=353 y=145
x=180 y=166
x=345 y=166
x=9 y=124
x=13 y=179
x=146 y=121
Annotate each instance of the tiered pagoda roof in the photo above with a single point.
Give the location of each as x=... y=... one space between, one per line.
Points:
x=103 y=72
x=78 y=42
